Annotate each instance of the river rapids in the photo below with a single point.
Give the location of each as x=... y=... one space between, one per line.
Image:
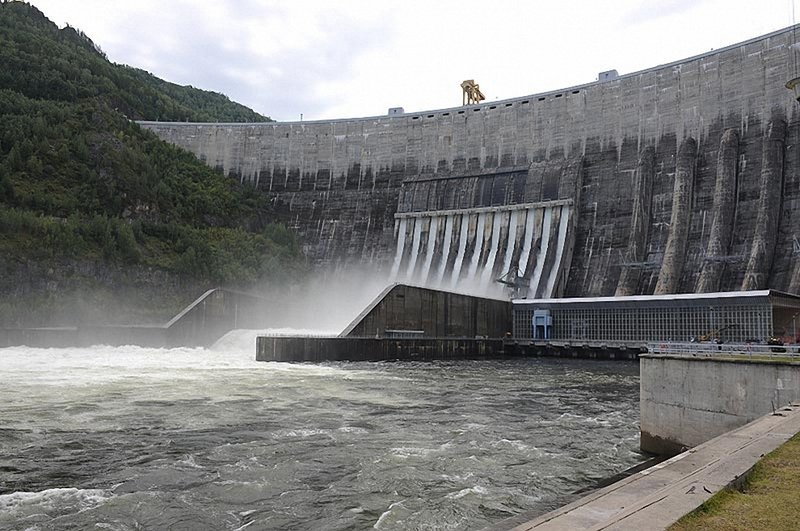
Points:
x=123 y=438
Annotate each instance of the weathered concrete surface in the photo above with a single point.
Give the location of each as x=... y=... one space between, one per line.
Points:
x=685 y=401
x=657 y=497
x=339 y=183
x=316 y=349
x=719 y=240
x=434 y=313
x=576 y=349
x=675 y=248
x=765 y=234
x=640 y=223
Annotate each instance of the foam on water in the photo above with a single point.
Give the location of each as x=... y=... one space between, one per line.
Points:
x=43 y=506
x=210 y=439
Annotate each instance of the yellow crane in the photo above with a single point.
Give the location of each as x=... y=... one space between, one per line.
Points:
x=713 y=335
x=471 y=92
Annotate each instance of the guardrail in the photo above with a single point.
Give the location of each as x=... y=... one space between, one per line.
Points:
x=725 y=349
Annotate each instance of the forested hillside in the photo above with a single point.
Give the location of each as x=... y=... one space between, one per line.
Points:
x=84 y=189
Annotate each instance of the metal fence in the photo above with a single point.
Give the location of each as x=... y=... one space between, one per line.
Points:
x=652 y=321
x=724 y=349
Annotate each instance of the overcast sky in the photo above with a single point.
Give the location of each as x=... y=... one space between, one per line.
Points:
x=348 y=58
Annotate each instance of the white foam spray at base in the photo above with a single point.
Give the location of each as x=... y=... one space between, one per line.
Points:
x=48 y=504
x=326 y=303
x=245 y=340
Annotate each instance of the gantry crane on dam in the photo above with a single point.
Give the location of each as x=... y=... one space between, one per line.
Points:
x=471 y=92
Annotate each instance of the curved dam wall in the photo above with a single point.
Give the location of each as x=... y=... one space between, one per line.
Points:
x=679 y=178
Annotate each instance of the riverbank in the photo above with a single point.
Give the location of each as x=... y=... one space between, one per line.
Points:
x=657 y=497
x=765 y=500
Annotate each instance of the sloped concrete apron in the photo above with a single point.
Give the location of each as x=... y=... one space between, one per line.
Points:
x=658 y=496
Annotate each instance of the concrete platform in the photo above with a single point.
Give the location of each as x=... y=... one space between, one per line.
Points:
x=317 y=349
x=658 y=496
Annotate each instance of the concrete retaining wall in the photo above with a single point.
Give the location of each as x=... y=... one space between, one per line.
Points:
x=374 y=349
x=685 y=401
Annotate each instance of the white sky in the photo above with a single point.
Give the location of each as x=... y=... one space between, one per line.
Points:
x=348 y=58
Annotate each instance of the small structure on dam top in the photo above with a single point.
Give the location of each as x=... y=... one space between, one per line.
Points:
x=471 y=92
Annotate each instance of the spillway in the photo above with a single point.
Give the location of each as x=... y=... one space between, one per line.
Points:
x=505 y=241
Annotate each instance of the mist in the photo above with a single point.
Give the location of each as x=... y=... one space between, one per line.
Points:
x=324 y=302
x=327 y=302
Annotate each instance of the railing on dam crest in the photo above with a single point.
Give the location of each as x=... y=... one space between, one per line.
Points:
x=711 y=349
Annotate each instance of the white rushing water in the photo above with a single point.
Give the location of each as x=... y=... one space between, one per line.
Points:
x=140 y=438
x=462 y=249
x=476 y=253
x=430 y=248
x=415 y=243
x=488 y=268
x=401 y=246
x=501 y=244
x=448 y=241
x=540 y=257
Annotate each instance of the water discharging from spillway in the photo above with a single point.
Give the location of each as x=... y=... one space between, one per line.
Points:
x=469 y=250
x=140 y=438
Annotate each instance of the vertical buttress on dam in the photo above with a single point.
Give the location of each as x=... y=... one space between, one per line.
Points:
x=678 y=178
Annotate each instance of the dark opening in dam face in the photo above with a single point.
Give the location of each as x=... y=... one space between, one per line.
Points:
x=131 y=438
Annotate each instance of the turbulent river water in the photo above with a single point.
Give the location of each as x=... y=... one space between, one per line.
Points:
x=137 y=438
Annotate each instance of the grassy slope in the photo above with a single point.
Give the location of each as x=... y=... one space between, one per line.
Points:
x=768 y=499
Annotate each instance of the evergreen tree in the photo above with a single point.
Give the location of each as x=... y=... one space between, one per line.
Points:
x=79 y=179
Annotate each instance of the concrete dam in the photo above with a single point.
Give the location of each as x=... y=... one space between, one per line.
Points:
x=679 y=178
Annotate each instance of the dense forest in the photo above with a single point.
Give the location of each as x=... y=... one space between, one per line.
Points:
x=82 y=183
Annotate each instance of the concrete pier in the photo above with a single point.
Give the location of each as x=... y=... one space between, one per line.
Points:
x=315 y=349
x=406 y=323
x=687 y=400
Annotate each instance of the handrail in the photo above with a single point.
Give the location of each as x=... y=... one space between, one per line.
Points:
x=724 y=349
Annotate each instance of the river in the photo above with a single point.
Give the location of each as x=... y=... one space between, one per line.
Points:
x=140 y=438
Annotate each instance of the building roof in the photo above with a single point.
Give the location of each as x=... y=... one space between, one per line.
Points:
x=653 y=298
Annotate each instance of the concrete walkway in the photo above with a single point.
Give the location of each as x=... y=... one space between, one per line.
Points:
x=658 y=496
